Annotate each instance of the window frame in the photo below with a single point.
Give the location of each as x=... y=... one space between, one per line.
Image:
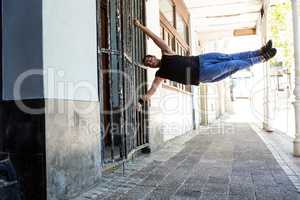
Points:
x=178 y=44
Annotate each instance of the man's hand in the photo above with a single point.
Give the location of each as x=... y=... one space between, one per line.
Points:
x=140 y=104
x=145 y=98
x=138 y=107
x=137 y=22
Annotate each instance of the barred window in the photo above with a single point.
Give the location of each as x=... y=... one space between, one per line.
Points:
x=174 y=31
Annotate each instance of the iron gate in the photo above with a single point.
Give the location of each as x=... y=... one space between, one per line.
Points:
x=122 y=78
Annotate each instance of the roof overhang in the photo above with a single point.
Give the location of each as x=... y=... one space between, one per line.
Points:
x=240 y=17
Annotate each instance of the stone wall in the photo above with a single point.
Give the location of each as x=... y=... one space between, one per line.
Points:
x=73 y=147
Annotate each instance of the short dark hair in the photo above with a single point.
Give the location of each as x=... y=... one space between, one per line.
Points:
x=147 y=56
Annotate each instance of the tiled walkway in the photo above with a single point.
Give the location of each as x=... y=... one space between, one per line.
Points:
x=231 y=162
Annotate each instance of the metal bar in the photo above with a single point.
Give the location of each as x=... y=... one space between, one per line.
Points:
x=146 y=79
x=134 y=113
x=146 y=109
x=121 y=88
x=108 y=51
x=130 y=156
x=110 y=78
x=139 y=33
x=142 y=113
x=100 y=85
x=127 y=57
x=124 y=64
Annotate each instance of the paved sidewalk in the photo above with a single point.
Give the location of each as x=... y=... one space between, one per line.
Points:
x=222 y=162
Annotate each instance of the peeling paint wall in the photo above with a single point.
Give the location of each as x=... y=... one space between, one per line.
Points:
x=73 y=147
x=59 y=39
x=73 y=143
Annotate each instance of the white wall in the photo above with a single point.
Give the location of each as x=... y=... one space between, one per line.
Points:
x=165 y=122
x=217 y=93
x=70 y=49
x=194 y=42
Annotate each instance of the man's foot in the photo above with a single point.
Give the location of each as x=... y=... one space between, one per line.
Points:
x=266 y=47
x=268 y=54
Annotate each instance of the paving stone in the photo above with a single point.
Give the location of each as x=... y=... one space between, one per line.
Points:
x=242 y=190
x=244 y=180
x=139 y=175
x=171 y=182
x=269 y=193
x=161 y=170
x=220 y=180
x=152 y=180
x=215 y=188
x=204 y=166
x=259 y=180
x=187 y=194
x=114 y=196
x=241 y=197
x=193 y=180
x=139 y=192
x=213 y=196
x=191 y=187
x=291 y=195
x=159 y=194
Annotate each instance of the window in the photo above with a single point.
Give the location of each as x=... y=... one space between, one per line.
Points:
x=177 y=39
x=166 y=7
x=182 y=28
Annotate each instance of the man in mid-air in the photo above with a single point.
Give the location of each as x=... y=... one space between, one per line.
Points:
x=192 y=70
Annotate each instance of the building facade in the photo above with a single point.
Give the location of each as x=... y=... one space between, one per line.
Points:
x=172 y=108
x=72 y=73
x=71 y=76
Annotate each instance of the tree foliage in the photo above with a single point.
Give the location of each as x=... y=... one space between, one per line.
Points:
x=280 y=30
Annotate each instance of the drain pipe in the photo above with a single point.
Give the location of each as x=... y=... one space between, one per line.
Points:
x=297 y=76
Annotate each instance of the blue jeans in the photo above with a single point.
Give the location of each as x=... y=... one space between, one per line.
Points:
x=217 y=66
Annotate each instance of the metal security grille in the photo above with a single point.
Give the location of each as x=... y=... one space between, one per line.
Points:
x=122 y=78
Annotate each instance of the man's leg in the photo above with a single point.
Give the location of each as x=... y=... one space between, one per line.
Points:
x=219 y=71
x=244 y=55
x=213 y=58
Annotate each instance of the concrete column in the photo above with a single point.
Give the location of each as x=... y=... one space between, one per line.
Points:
x=266 y=123
x=297 y=76
x=203 y=103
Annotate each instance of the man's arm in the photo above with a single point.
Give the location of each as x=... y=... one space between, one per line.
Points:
x=155 y=84
x=156 y=39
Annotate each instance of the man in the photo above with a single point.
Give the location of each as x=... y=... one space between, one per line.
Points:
x=210 y=67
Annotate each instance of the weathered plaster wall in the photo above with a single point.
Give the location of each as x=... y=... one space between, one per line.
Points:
x=73 y=144
x=58 y=39
x=73 y=147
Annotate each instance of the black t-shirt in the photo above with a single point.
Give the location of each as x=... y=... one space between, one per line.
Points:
x=181 y=69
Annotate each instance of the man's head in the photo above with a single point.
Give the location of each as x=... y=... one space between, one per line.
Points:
x=151 y=61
